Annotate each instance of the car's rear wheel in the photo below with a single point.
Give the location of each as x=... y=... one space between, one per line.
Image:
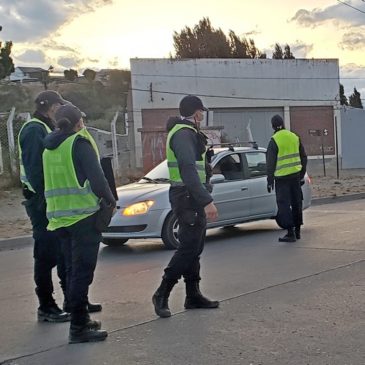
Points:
x=169 y=232
x=114 y=242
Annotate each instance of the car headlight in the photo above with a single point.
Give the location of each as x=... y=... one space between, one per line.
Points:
x=138 y=208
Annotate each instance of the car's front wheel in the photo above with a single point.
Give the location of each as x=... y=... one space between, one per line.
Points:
x=114 y=242
x=169 y=232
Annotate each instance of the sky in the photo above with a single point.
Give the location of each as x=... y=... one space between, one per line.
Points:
x=100 y=34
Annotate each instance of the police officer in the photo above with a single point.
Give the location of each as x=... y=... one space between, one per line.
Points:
x=74 y=185
x=46 y=245
x=286 y=167
x=191 y=203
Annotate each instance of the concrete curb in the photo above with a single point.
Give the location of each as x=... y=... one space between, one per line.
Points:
x=337 y=199
x=15 y=242
x=23 y=241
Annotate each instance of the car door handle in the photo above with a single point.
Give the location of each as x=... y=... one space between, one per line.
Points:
x=243 y=188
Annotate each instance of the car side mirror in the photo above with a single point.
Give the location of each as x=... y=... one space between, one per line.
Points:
x=217 y=178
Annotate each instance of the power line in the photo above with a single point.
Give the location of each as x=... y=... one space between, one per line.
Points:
x=229 y=96
x=353 y=7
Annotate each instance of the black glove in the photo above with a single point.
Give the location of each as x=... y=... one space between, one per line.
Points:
x=270 y=185
x=302 y=182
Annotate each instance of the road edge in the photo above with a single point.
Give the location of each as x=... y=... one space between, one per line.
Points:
x=23 y=241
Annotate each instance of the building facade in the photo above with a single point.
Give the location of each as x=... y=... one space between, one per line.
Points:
x=242 y=96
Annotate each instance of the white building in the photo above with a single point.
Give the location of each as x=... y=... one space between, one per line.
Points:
x=27 y=74
x=242 y=95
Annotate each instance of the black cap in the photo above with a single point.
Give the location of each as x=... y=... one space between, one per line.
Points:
x=190 y=104
x=277 y=122
x=67 y=116
x=49 y=97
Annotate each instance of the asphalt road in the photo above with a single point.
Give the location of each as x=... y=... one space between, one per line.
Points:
x=300 y=303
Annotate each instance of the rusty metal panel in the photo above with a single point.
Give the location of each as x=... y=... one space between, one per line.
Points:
x=314 y=125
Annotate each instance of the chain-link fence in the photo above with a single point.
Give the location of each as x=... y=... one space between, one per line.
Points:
x=10 y=124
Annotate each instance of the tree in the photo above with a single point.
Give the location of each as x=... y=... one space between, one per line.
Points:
x=89 y=75
x=204 y=41
x=6 y=62
x=288 y=55
x=70 y=75
x=355 y=99
x=278 y=52
x=343 y=99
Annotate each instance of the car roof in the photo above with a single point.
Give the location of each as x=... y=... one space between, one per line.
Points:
x=221 y=150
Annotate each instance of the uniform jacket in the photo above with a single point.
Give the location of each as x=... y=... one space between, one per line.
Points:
x=188 y=147
x=271 y=157
x=86 y=164
x=31 y=141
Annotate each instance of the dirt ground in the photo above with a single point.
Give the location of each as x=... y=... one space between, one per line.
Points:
x=14 y=221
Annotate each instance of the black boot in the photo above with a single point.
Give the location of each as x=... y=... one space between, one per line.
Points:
x=49 y=311
x=161 y=298
x=297 y=233
x=94 y=307
x=195 y=299
x=91 y=307
x=289 y=237
x=84 y=329
x=86 y=333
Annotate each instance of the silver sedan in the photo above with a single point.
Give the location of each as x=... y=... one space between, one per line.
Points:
x=239 y=192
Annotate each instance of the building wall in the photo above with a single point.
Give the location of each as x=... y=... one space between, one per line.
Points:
x=352 y=133
x=231 y=83
x=312 y=124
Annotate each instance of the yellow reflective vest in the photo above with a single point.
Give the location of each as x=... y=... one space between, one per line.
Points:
x=23 y=176
x=172 y=164
x=288 y=159
x=67 y=201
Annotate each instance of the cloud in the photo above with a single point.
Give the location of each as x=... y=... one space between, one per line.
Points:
x=353 y=41
x=29 y=21
x=55 y=46
x=32 y=56
x=70 y=62
x=301 y=49
x=338 y=13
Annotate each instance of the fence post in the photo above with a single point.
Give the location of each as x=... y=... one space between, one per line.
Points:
x=1 y=160
x=11 y=141
x=115 y=146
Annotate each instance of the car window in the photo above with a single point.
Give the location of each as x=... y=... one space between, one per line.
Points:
x=230 y=167
x=159 y=172
x=256 y=162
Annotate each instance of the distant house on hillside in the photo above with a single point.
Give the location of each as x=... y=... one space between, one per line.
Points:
x=28 y=74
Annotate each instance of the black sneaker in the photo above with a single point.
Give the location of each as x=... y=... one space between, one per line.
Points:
x=297 y=233
x=52 y=314
x=79 y=334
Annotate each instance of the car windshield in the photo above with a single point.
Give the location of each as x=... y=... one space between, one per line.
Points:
x=158 y=174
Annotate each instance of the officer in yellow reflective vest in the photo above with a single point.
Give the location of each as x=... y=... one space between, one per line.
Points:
x=286 y=167
x=74 y=184
x=46 y=244
x=191 y=202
